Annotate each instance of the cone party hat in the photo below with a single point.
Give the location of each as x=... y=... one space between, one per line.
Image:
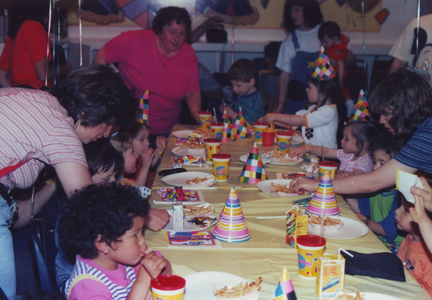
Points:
x=231 y=225
x=285 y=288
x=324 y=199
x=323 y=69
x=240 y=126
x=144 y=108
x=253 y=171
x=361 y=112
x=228 y=134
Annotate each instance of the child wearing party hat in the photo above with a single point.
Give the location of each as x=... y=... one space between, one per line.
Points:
x=319 y=122
x=244 y=76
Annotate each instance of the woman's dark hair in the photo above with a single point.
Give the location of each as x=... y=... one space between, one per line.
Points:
x=23 y=10
x=387 y=142
x=101 y=156
x=166 y=15
x=329 y=29
x=96 y=95
x=364 y=132
x=405 y=95
x=105 y=210
x=312 y=15
x=244 y=70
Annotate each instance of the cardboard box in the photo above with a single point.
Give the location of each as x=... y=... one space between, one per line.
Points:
x=330 y=276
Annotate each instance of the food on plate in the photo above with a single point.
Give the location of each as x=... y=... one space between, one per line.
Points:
x=201 y=221
x=345 y=296
x=327 y=222
x=191 y=145
x=200 y=133
x=238 y=290
x=197 y=180
x=279 y=188
x=127 y=182
x=196 y=211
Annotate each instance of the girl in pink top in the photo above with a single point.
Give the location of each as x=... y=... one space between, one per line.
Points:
x=103 y=226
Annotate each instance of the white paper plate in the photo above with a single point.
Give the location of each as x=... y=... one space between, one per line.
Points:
x=351 y=229
x=182 y=133
x=180 y=179
x=297 y=139
x=199 y=286
x=373 y=296
x=188 y=151
x=187 y=227
x=265 y=159
x=266 y=187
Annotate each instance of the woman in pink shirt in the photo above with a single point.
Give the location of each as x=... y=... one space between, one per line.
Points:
x=159 y=60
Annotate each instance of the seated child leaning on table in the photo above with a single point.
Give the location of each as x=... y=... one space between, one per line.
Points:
x=244 y=76
x=103 y=225
x=378 y=211
x=415 y=256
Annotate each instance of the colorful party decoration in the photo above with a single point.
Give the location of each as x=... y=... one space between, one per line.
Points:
x=361 y=112
x=284 y=289
x=228 y=134
x=144 y=106
x=231 y=225
x=240 y=128
x=382 y=15
x=253 y=171
x=323 y=69
x=324 y=199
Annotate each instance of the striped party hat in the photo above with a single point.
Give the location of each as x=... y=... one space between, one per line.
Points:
x=323 y=69
x=361 y=112
x=324 y=199
x=144 y=108
x=253 y=171
x=240 y=126
x=231 y=225
x=228 y=134
x=285 y=288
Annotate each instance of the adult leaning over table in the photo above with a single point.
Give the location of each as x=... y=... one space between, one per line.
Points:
x=404 y=102
x=39 y=128
x=159 y=60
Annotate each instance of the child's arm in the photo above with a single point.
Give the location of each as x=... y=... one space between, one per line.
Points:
x=341 y=73
x=316 y=150
x=146 y=162
x=141 y=287
x=157 y=219
x=376 y=227
x=342 y=174
x=283 y=120
x=231 y=113
x=354 y=204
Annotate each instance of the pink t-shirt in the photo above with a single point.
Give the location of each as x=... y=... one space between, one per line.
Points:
x=364 y=162
x=417 y=261
x=167 y=79
x=93 y=289
x=33 y=125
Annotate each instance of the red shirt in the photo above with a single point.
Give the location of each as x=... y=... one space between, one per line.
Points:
x=21 y=54
x=167 y=79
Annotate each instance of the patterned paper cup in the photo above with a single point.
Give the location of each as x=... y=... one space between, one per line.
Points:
x=217 y=130
x=212 y=146
x=283 y=140
x=168 y=287
x=310 y=247
x=221 y=163
x=259 y=128
x=204 y=119
x=330 y=166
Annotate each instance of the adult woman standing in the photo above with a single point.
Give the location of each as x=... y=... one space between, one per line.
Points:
x=161 y=62
x=403 y=101
x=24 y=59
x=39 y=128
x=298 y=53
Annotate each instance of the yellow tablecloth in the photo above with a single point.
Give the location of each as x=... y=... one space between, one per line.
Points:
x=266 y=253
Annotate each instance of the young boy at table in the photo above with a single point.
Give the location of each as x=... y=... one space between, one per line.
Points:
x=414 y=254
x=378 y=212
x=244 y=75
x=336 y=46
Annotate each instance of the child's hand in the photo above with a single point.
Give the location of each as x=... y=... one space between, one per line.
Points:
x=342 y=174
x=153 y=263
x=362 y=218
x=157 y=219
x=267 y=118
x=147 y=158
x=298 y=151
x=161 y=142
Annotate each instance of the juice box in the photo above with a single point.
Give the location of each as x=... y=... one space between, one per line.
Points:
x=297 y=225
x=330 y=275
x=177 y=216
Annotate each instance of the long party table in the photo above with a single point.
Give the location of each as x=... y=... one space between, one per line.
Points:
x=266 y=253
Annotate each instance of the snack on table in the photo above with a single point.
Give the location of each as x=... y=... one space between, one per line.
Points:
x=197 y=180
x=345 y=296
x=238 y=290
x=192 y=145
x=127 y=182
x=201 y=221
x=279 y=188
x=197 y=211
x=329 y=222
x=200 y=133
